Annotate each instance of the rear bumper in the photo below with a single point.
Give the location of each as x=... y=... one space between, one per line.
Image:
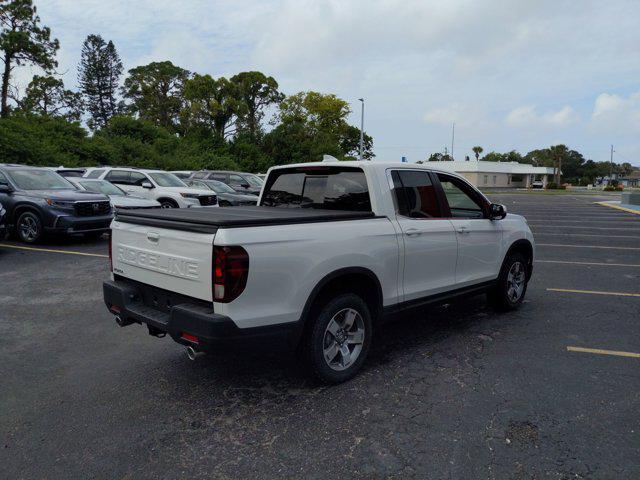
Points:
x=179 y=315
x=71 y=224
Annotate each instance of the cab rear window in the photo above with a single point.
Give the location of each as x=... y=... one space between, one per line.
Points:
x=330 y=188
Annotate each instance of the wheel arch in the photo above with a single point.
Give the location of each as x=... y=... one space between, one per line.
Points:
x=359 y=280
x=24 y=207
x=168 y=199
x=524 y=247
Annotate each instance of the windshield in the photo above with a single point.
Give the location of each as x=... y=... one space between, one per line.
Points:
x=167 y=180
x=253 y=180
x=219 y=187
x=39 y=180
x=102 y=186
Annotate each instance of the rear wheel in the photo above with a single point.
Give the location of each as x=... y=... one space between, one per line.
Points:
x=29 y=227
x=339 y=338
x=511 y=286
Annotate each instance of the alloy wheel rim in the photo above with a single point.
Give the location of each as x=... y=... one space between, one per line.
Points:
x=515 y=282
x=343 y=339
x=166 y=205
x=29 y=228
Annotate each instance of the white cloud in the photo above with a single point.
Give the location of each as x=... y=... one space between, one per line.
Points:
x=615 y=113
x=528 y=117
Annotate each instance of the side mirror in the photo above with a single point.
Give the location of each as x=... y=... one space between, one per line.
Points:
x=497 y=211
x=244 y=185
x=147 y=185
x=5 y=188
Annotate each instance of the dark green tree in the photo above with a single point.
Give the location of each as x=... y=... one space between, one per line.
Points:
x=156 y=93
x=257 y=92
x=47 y=96
x=99 y=75
x=212 y=107
x=23 y=41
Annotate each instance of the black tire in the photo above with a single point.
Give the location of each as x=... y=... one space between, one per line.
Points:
x=29 y=227
x=319 y=337
x=168 y=203
x=502 y=297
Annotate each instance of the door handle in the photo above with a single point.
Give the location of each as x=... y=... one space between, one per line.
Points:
x=463 y=231
x=410 y=232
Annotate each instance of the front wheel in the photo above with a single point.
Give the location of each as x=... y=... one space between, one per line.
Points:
x=29 y=227
x=511 y=286
x=166 y=203
x=339 y=339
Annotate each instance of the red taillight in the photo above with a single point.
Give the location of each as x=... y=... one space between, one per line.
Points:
x=230 y=272
x=190 y=338
x=110 y=251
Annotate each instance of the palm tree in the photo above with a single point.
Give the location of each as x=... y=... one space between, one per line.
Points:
x=477 y=151
x=558 y=152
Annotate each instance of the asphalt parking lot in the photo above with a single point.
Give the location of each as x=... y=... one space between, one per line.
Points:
x=549 y=391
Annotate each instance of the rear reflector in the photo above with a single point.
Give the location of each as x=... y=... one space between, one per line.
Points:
x=115 y=309
x=230 y=272
x=190 y=338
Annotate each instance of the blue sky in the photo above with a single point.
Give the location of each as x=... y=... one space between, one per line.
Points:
x=511 y=75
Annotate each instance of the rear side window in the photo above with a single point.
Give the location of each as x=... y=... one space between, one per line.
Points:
x=118 y=176
x=415 y=194
x=200 y=175
x=236 y=180
x=94 y=173
x=318 y=187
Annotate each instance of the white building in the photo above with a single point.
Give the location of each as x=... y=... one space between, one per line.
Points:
x=498 y=174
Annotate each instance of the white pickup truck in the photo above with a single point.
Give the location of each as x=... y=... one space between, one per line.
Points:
x=331 y=249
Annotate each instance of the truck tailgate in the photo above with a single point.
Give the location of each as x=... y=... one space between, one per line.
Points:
x=170 y=259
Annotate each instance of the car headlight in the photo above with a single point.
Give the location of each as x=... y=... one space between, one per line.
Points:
x=59 y=203
x=189 y=195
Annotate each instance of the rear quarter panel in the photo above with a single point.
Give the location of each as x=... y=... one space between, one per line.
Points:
x=287 y=261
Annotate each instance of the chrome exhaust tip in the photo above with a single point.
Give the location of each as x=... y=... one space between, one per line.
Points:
x=193 y=354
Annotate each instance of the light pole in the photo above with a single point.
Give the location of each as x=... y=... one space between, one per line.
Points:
x=362 y=129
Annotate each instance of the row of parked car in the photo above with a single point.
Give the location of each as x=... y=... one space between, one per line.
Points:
x=35 y=201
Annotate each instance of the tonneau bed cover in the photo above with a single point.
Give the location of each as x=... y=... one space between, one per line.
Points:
x=209 y=220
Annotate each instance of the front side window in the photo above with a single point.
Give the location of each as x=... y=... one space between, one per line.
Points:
x=460 y=198
x=39 y=180
x=236 y=180
x=137 y=179
x=164 y=179
x=253 y=180
x=318 y=187
x=118 y=176
x=415 y=194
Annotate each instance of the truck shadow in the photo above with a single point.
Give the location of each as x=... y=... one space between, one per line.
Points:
x=396 y=343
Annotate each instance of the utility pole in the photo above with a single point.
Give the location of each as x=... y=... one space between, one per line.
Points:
x=611 y=166
x=362 y=130
x=453 y=137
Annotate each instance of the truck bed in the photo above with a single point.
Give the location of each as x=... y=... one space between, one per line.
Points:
x=209 y=220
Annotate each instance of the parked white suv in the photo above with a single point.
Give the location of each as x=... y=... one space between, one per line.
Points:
x=331 y=250
x=164 y=187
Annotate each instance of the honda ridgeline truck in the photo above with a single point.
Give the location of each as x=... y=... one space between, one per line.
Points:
x=331 y=249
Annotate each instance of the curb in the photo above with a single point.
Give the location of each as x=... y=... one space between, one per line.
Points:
x=618 y=207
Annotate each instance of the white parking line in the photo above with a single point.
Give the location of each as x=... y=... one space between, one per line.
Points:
x=539 y=225
x=586 y=235
x=585 y=246
x=599 y=264
x=600 y=351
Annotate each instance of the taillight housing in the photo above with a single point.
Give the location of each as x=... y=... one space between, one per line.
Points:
x=230 y=272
